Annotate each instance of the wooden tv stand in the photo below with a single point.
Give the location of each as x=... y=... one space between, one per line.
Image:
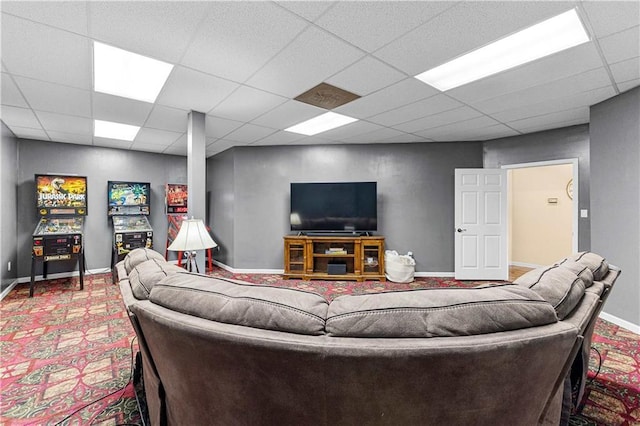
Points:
x=334 y=258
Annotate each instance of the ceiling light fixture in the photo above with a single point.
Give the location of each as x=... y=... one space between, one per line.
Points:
x=553 y=35
x=111 y=130
x=321 y=123
x=122 y=73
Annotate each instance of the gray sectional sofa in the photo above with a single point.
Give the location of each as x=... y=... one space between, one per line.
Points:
x=223 y=352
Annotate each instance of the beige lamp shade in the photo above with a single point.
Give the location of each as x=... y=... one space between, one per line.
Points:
x=193 y=235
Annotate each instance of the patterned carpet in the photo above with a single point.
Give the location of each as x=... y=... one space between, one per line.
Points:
x=65 y=348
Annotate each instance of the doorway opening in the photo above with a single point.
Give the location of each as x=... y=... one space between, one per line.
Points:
x=543 y=211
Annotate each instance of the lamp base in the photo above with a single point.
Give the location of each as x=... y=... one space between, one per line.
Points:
x=191 y=260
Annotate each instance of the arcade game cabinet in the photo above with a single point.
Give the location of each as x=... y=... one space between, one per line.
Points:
x=61 y=204
x=129 y=206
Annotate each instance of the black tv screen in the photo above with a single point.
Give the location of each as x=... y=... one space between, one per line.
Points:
x=334 y=207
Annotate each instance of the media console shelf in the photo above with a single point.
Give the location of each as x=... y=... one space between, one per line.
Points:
x=334 y=258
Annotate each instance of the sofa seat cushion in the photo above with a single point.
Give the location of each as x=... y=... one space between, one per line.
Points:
x=139 y=255
x=147 y=274
x=438 y=312
x=235 y=302
x=597 y=264
x=562 y=288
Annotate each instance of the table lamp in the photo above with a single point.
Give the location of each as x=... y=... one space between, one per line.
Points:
x=192 y=236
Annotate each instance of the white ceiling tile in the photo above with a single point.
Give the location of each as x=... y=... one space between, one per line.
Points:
x=45 y=53
x=176 y=150
x=578 y=115
x=607 y=17
x=19 y=117
x=148 y=147
x=66 y=123
x=158 y=29
x=70 y=138
x=10 y=93
x=378 y=75
x=288 y=114
x=621 y=46
x=350 y=130
x=376 y=136
x=463 y=28
x=459 y=131
x=29 y=133
x=405 y=138
x=311 y=58
x=435 y=120
x=278 y=138
x=565 y=87
x=406 y=91
x=419 y=109
x=247 y=103
x=120 y=110
x=628 y=85
x=111 y=143
x=66 y=15
x=313 y=140
x=626 y=70
x=372 y=24
x=192 y=90
x=44 y=96
x=249 y=133
x=217 y=127
x=167 y=118
x=238 y=38
x=554 y=105
x=219 y=146
x=148 y=136
x=563 y=64
x=309 y=10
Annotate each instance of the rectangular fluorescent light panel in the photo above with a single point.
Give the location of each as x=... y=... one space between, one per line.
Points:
x=553 y=35
x=121 y=73
x=321 y=123
x=111 y=130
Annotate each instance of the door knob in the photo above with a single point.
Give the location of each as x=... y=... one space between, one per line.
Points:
x=461 y=229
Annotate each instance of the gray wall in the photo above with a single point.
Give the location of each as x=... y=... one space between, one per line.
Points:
x=415 y=196
x=99 y=165
x=567 y=142
x=615 y=197
x=9 y=210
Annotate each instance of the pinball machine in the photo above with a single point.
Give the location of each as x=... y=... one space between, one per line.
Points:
x=129 y=206
x=61 y=203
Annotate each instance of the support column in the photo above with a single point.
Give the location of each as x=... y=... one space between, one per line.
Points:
x=197 y=173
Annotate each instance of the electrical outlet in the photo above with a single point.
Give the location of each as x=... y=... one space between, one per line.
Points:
x=9 y=266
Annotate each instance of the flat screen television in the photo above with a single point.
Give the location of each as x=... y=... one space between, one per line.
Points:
x=339 y=207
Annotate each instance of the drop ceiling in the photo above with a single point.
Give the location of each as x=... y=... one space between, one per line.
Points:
x=243 y=63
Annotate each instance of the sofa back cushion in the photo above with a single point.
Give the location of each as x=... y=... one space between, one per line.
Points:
x=597 y=264
x=438 y=312
x=139 y=255
x=580 y=269
x=147 y=274
x=562 y=288
x=234 y=302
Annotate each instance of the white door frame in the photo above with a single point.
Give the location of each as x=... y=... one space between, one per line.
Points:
x=576 y=192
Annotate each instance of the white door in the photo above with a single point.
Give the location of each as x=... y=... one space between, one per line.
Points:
x=481 y=233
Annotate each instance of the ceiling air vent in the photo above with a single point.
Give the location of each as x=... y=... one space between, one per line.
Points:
x=326 y=96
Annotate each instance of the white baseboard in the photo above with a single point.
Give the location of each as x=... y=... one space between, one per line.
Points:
x=8 y=289
x=247 y=271
x=635 y=328
x=526 y=265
